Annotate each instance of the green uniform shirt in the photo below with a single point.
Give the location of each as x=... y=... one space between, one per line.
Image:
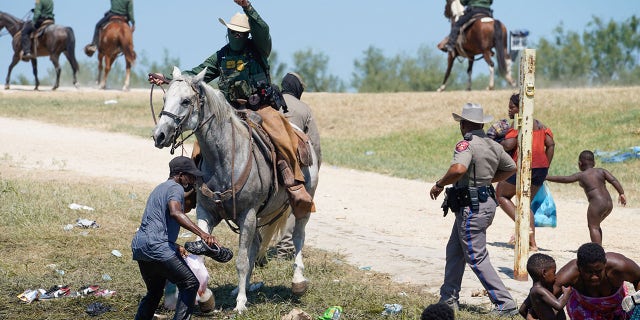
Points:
x=240 y=72
x=43 y=10
x=477 y=3
x=123 y=8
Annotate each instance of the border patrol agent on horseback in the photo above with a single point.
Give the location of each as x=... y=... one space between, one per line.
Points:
x=472 y=8
x=123 y=8
x=41 y=12
x=242 y=67
x=477 y=162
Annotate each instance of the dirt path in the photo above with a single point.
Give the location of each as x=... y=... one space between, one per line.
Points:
x=385 y=223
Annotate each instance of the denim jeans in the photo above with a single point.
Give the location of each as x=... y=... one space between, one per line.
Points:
x=155 y=275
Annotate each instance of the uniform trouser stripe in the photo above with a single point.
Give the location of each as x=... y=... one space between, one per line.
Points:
x=472 y=258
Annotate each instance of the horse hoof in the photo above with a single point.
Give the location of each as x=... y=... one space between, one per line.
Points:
x=299 y=288
x=6 y=87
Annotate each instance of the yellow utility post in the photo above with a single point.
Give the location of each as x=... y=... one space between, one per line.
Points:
x=524 y=123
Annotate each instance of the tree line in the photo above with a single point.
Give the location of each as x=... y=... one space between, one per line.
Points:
x=603 y=54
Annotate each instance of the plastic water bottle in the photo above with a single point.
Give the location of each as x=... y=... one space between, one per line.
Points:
x=333 y=313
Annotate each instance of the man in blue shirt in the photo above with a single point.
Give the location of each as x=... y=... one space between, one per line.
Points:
x=154 y=244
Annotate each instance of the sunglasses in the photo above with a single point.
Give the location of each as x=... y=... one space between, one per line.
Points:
x=238 y=35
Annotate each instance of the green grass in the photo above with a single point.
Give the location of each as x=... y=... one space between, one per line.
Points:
x=34 y=246
x=408 y=135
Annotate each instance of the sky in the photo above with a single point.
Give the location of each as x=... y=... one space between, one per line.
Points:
x=342 y=30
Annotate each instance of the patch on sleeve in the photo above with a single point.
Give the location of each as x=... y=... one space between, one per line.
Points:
x=462 y=146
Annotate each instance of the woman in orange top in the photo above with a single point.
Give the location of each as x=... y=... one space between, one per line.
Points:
x=542 y=153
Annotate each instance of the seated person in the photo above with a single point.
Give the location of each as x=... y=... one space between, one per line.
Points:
x=544 y=304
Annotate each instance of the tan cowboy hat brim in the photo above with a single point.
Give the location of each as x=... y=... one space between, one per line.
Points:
x=485 y=119
x=472 y=112
x=239 y=22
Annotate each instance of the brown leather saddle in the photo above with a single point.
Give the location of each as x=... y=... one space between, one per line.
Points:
x=460 y=41
x=43 y=27
x=254 y=120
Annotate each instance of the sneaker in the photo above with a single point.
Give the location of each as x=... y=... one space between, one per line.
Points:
x=630 y=301
x=56 y=291
x=506 y=313
x=217 y=253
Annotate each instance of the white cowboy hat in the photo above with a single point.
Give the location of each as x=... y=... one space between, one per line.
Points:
x=239 y=22
x=472 y=112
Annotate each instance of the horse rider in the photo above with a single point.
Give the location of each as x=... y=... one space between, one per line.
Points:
x=242 y=67
x=478 y=161
x=41 y=12
x=122 y=8
x=473 y=7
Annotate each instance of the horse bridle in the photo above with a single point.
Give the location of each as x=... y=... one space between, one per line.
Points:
x=180 y=121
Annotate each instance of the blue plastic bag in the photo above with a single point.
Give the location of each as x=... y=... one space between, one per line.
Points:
x=544 y=208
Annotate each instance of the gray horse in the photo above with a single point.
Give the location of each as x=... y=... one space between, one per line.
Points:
x=231 y=154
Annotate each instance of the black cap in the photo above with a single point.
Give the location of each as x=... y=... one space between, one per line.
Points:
x=185 y=165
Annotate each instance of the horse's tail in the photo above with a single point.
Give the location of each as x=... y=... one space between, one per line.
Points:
x=498 y=39
x=126 y=44
x=71 y=49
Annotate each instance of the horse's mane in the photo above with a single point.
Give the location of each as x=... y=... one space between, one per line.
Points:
x=215 y=101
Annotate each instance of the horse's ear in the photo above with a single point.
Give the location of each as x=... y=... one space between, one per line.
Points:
x=200 y=76
x=176 y=72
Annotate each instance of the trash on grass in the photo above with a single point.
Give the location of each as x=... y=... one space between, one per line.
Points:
x=116 y=253
x=111 y=101
x=296 y=314
x=392 y=309
x=30 y=295
x=106 y=277
x=75 y=206
x=97 y=308
x=86 y=223
x=332 y=313
x=68 y=227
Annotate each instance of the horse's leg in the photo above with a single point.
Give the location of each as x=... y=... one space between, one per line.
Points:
x=450 y=58
x=127 y=75
x=34 y=65
x=74 y=67
x=245 y=260
x=299 y=284
x=100 y=67
x=107 y=68
x=508 y=75
x=16 y=58
x=469 y=71
x=55 y=58
x=487 y=59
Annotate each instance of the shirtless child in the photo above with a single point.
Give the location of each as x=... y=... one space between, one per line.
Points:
x=593 y=181
x=596 y=279
x=544 y=305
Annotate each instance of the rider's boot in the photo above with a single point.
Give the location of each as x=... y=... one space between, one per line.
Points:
x=90 y=49
x=299 y=199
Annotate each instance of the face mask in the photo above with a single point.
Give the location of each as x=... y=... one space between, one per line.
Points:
x=236 y=43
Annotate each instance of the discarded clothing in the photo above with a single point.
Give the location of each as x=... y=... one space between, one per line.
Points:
x=618 y=155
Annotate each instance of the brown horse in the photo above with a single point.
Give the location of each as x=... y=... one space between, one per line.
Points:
x=51 y=41
x=115 y=38
x=480 y=37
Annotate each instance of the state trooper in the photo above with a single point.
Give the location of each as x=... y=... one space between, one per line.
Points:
x=477 y=162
